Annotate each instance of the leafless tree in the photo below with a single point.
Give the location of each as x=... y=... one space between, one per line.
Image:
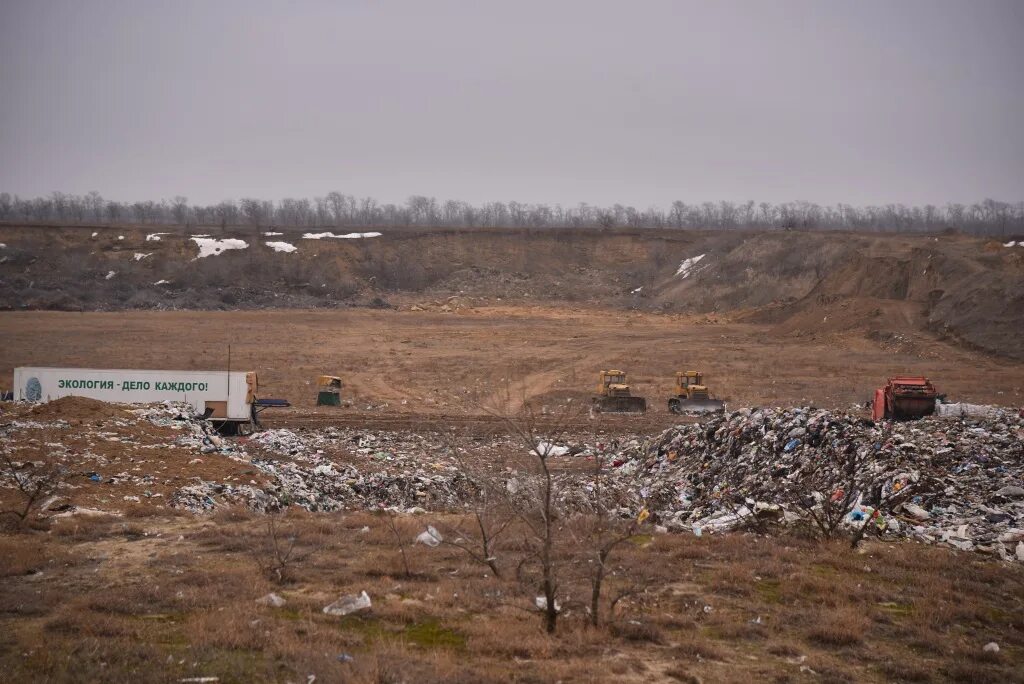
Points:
x=607 y=533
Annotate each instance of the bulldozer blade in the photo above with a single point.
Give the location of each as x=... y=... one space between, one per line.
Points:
x=695 y=406
x=620 y=404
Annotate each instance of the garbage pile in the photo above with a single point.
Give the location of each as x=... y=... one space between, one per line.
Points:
x=401 y=471
x=198 y=434
x=957 y=482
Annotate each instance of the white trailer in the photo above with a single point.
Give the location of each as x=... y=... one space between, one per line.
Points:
x=227 y=396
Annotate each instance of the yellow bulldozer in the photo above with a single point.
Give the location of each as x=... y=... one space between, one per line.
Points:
x=613 y=395
x=692 y=395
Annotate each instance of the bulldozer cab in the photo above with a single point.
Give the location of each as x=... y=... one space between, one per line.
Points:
x=687 y=379
x=612 y=381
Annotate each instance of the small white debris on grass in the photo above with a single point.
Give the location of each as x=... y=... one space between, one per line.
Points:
x=120 y=237
x=95 y=234
x=548 y=449
x=162 y=282
x=155 y=237
x=110 y=275
x=346 y=236
x=3 y=245
x=270 y=233
x=542 y=604
x=271 y=599
x=281 y=246
x=431 y=537
x=686 y=267
x=637 y=289
x=213 y=246
x=139 y=256
x=349 y=604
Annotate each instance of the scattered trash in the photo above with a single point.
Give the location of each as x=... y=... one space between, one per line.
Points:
x=547 y=449
x=431 y=537
x=272 y=600
x=542 y=604
x=991 y=647
x=349 y=604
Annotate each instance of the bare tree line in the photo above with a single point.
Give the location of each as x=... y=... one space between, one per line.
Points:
x=989 y=216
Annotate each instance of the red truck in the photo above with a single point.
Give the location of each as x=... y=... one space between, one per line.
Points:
x=904 y=397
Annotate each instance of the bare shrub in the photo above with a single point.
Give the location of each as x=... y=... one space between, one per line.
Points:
x=280 y=549
x=400 y=541
x=33 y=482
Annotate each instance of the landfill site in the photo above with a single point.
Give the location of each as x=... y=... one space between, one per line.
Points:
x=702 y=472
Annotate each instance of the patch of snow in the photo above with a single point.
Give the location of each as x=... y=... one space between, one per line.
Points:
x=110 y=275
x=637 y=289
x=155 y=237
x=95 y=234
x=686 y=267
x=120 y=237
x=162 y=282
x=346 y=236
x=139 y=256
x=271 y=233
x=213 y=247
x=202 y=235
x=281 y=246
x=1011 y=243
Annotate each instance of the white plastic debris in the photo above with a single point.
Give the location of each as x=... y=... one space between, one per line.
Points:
x=548 y=449
x=916 y=512
x=349 y=604
x=991 y=647
x=431 y=537
x=964 y=410
x=272 y=600
x=542 y=604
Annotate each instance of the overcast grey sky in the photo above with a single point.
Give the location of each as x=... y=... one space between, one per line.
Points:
x=634 y=102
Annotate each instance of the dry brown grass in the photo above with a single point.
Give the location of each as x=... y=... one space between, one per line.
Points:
x=115 y=597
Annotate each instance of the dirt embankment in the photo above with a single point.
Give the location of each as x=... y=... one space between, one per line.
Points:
x=883 y=286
